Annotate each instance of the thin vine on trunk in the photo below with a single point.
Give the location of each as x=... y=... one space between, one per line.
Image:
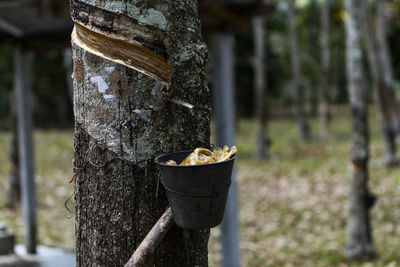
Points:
x=123 y=119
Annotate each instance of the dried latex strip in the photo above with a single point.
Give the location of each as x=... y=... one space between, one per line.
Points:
x=203 y=156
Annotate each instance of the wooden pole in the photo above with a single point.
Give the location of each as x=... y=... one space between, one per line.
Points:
x=143 y=253
x=22 y=83
x=224 y=110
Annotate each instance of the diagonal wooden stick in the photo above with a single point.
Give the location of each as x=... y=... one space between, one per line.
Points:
x=142 y=254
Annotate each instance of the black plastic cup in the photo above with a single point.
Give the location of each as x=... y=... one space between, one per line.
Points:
x=197 y=194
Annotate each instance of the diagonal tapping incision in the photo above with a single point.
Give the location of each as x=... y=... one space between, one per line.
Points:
x=129 y=54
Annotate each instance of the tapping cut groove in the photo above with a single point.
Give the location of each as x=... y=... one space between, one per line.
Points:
x=133 y=56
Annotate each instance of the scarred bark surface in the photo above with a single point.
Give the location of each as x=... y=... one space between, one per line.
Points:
x=360 y=244
x=121 y=112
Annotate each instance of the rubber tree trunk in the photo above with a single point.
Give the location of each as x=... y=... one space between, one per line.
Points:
x=304 y=128
x=360 y=243
x=382 y=40
x=224 y=110
x=384 y=55
x=14 y=191
x=23 y=83
x=123 y=112
x=324 y=111
x=380 y=87
x=259 y=33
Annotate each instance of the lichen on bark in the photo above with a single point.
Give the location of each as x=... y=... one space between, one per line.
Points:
x=186 y=53
x=122 y=112
x=150 y=14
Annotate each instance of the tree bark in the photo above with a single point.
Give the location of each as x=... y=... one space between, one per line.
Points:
x=380 y=87
x=262 y=145
x=122 y=111
x=304 y=128
x=324 y=111
x=360 y=243
x=387 y=71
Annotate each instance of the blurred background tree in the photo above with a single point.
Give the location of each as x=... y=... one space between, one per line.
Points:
x=315 y=165
x=52 y=107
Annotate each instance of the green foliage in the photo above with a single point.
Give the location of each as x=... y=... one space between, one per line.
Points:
x=52 y=104
x=278 y=58
x=6 y=65
x=6 y=82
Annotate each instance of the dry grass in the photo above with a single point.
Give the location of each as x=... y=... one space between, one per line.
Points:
x=54 y=151
x=292 y=206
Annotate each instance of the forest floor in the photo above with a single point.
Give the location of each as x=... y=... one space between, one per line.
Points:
x=292 y=206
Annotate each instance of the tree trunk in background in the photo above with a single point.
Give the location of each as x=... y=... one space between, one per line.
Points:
x=360 y=244
x=262 y=144
x=324 y=111
x=383 y=47
x=304 y=129
x=224 y=110
x=22 y=85
x=380 y=88
x=14 y=191
x=119 y=111
x=387 y=71
x=313 y=79
x=313 y=95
